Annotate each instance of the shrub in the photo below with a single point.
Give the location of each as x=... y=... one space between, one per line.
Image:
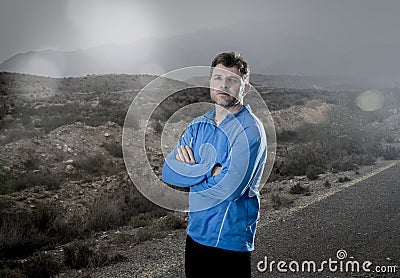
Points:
x=280 y=200
x=298 y=160
x=12 y=273
x=327 y=184
x=119 y=209
x=16 y=134
x=42 y=265
x=157 y=126
x=7 y=182
x=172 y=221
x=50 y=180
x=298 y=189
x=344 y=164
x=140 y=220
x=391 y=153
x=344 y=179
x=287 y=136
x=24 y=232
x=78 y=255
x=313 y=171
x=96 y=165
x=114 y=149
x=366 y=159
x=105 y=213
x=144 y=234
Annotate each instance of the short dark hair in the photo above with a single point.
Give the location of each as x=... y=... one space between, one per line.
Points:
x=232 y=59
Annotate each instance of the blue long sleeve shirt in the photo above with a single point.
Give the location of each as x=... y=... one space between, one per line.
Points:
x=223 y=209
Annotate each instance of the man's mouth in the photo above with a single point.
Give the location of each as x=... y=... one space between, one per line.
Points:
x=223 y=93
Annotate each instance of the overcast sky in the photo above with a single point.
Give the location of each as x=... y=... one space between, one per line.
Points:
x=362 y=25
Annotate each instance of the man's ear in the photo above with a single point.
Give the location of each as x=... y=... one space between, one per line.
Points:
x=246 y=89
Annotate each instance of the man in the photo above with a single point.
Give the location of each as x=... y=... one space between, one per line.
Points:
x=221 y=157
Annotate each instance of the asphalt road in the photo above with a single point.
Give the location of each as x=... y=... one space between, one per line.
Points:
x=347 y=230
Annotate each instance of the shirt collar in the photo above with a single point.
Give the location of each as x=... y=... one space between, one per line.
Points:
x=211 y=114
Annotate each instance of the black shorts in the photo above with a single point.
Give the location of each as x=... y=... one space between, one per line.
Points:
x=205 y=261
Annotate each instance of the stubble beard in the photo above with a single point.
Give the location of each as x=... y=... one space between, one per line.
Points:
x=226 y=103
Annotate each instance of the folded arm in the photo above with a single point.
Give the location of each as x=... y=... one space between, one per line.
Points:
x=180 y=167
x=238 y=172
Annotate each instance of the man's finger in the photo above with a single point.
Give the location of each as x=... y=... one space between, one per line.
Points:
x=181 y=157
x=190 y=153
x=185 y=154
x=216 y=170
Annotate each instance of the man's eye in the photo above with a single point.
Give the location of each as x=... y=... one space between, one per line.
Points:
x=234 y=80
x=217 y=78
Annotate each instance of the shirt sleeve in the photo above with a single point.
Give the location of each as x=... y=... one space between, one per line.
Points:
x=183 y=174
x=237 y=174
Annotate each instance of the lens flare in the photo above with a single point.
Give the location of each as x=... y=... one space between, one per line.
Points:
x=370 y=100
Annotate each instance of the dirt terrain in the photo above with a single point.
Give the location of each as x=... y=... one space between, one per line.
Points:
x=64 y=182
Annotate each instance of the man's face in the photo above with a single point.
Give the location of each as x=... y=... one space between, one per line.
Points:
x=226 y=86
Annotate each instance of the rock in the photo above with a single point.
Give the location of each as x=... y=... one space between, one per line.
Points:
x=111 y=124
x=69 y=161
x=69 y=168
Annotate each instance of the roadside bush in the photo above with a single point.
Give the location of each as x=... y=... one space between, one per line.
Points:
x=298 y=189
x=24 y=232
x=313 y=171
x=327 y=184
x=280 y=200
x=140 y=220
x=120 y=208
x=144 y=234
x=366 y=159
x=80 y=255
x=172 y=221
x=391 y=153
x=344 y=179
x=298 y=160
x=42 y=265
x=344 y=164
x=105 y=213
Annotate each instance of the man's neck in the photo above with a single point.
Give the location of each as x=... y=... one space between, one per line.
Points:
x=221 y=112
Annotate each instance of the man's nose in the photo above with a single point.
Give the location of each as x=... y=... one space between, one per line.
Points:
x=224 y=84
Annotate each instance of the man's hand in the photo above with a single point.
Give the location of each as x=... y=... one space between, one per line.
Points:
x=185 y=154
x=216 y=170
